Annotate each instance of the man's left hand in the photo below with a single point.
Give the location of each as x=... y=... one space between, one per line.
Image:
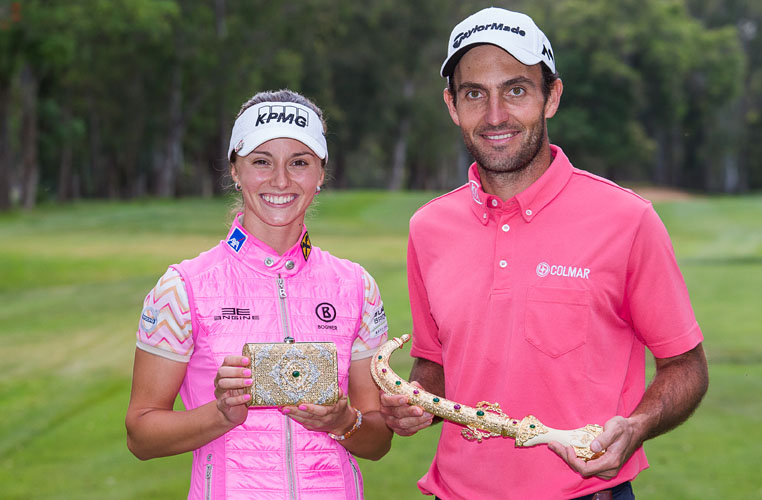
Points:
x=619 y=438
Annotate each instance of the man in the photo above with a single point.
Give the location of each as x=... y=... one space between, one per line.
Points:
x=539 y=286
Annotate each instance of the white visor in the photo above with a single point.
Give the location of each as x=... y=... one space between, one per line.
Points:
x=274 y=120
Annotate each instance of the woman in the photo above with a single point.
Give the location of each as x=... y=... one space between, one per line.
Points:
x=263 y=283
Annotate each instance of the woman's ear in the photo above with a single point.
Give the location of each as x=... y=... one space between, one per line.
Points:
x=233 y=172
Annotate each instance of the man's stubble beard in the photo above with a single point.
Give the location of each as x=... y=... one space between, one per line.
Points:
x=498 y=162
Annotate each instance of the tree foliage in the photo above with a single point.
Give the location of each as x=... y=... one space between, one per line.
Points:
x=126 y=98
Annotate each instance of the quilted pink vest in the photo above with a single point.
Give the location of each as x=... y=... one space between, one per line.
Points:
x=242 y=291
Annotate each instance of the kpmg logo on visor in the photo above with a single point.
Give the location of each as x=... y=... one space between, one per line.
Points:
x=282 y=114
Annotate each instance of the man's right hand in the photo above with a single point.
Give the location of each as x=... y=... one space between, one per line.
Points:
x=402 y=418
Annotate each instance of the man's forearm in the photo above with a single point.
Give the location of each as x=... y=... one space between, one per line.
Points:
x=431 y=377
x=675 y=392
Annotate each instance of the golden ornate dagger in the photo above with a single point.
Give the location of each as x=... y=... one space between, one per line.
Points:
x=483 y=421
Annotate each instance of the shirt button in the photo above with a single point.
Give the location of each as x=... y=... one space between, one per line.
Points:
x=269 y=261
x=290 y=264
x=528 y=212
x=503 y=264
x=484 y=216
x=494 y=202
x=506 y=228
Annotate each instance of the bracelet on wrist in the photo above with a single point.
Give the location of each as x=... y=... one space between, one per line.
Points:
x=351 y=431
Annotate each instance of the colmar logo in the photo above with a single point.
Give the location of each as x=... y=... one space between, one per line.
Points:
x=282 y=114
x=481 y=27
x=544 y=269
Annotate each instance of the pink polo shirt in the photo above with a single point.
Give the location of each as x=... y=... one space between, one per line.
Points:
x=545 y=304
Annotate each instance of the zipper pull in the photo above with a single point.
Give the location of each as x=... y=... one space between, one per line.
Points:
x=281 y=288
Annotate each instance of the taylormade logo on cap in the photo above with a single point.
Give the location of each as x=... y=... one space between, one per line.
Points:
x=513 y=32
x=494 y=26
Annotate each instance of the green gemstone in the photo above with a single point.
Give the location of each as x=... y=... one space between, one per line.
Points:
x=480 y=413
x=531 y=426
x=398 y=383
x=295 y=373
x=380 y=357
x=436 y=400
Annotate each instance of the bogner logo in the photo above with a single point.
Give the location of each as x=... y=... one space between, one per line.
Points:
x=282 y=114
x=481 y=27
x=326 y=313
x=544 y=269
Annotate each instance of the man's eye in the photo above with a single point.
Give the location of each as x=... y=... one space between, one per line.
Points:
x=517 y=91
x=473 y=94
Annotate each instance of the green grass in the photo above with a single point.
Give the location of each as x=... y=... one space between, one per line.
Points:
x=72 y=280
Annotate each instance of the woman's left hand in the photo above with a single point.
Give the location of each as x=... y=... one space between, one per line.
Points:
x=337 y=418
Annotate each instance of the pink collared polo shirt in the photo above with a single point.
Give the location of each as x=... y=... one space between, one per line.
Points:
x=545 y=304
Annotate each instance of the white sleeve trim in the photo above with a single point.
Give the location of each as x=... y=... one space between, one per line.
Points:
x=162 y=352
x=364 y=354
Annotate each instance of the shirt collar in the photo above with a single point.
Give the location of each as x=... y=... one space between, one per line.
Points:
x=243 y=246
x=530 y=201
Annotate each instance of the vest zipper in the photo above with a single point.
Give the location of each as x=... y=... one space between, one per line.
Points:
x=289 y=438
x=208 y=482
x=354 y=473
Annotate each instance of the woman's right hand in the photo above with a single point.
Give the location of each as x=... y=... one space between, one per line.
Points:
x=233 y=377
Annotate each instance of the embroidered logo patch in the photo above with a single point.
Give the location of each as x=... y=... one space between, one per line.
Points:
x=475 y=191
x=148 y=319
x=235 y=314
x=544 y=269
x=236 y=240
x=239 y=146
x=325 y=312
x=306 y=245
x=282 y=114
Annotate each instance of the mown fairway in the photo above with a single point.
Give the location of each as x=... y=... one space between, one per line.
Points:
x=72 y=281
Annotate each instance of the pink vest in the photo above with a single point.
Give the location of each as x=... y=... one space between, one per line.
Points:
x=242 y=291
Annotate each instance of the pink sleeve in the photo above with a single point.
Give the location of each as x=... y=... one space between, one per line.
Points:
x=165 y=323
x=657 y=299
x=426 y=342
x=373 y=327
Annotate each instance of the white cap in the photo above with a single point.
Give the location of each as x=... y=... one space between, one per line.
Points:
x=513 y=32
x=274 y=120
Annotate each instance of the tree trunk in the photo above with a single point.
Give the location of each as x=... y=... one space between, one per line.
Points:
x=91 y=175
x=397 y=176
x=65 y=179
x=217 y=169
x=6 y=158
x=30 y=169
x=173 y=147
x=399 y=156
